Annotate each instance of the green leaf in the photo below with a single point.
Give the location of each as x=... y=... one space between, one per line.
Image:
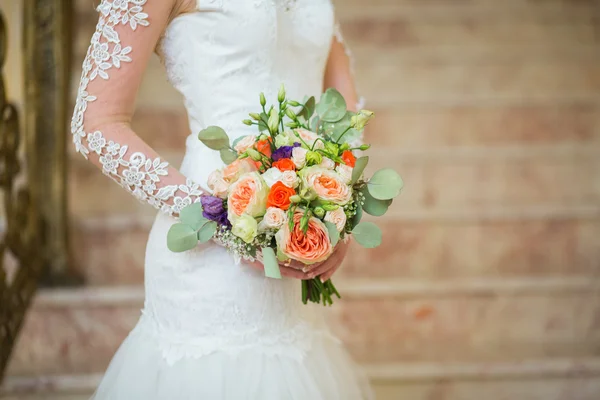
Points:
x=358 y=216
x=308 y=108
x=270 y=263
x=367 y=234
x=262 y=125
x=280 y=256
x=334 y=235
x=214 y=138
x=359 y=168
x=385 y=184
x=332 y=106
x=336 y=129
x=207 y=231
x=181 y=237
x=192 y=216
x=228 y=156
x=373 y=206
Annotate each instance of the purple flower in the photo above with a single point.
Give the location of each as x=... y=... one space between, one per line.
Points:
x=284 y=152
x=214 y=210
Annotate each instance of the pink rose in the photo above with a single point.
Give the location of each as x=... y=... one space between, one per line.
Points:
x=245 y=143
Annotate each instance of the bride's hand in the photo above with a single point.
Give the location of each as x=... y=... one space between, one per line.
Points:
x=298 y=270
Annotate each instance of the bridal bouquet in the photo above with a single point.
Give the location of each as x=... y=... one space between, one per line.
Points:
x=292 y=191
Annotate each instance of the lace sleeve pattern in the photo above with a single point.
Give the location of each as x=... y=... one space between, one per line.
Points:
x=130 y=164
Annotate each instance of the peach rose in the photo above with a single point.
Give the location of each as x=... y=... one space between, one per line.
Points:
x=274 y=219
x=345 y=172
x=248 y=195
x=327 y=163
x=217 y=184
x=336 y=217
x=289 y=179
x=245 y=144
x=326 y=184
x=233 y=171
x=309 y=248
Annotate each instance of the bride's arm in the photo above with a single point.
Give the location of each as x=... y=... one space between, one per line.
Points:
x=125 y=38
x=339 y=72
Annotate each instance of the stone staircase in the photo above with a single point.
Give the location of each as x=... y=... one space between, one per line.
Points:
x=486 y=285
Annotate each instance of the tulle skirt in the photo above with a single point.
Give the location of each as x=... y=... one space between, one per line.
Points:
x=139 y=371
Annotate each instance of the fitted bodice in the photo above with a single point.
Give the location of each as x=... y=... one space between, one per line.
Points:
x=223 y=55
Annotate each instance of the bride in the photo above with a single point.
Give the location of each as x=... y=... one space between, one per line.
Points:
x=212 y=329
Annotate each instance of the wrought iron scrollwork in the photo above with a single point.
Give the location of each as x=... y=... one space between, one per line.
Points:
x=20 y=261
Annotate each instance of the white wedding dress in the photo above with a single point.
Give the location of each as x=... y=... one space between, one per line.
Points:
x=210 y=329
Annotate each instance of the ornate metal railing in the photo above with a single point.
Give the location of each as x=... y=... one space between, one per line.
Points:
x=33 y=238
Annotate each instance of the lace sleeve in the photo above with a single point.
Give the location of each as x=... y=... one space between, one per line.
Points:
x=124 y=40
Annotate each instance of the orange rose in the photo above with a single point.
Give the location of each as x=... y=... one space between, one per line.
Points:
x=349 y=158
x=285 y=164
x=264 y=146
x=280 y=196
x=310 y=247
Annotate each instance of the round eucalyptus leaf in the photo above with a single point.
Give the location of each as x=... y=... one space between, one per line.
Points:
x=308 y=108
x=335 y=130
x=214 y=138
x=228 y=156
x=359 y=168
x=192 y=216
x=373 y=206
x=181 y=237
x=270 y=263
x=334 y=235
x=207 y=231
x=332 y=106
x=367 y=234
x=385 y=184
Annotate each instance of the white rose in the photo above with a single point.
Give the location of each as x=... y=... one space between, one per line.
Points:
x=283 y=139
x=217 y=184
x=290 y=179
x=345 y=172
x=245 y=144
x=337 y=217
x=274 y=219
x=245 y=227
x=271 y=176
x=299 y=156
x=327 y=163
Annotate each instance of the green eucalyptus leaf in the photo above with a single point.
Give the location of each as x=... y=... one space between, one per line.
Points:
x=334 y=235
x=228 y=156
x=359 y=168
x=332 y=106
x=214 y=138
x=308 y=108
x=271 y=264
x=358 y=216
x=181 y=237
x=192 y=216
x=367 y=234
x=336 y=129
x=385 y=184
x=373 y=206
x=262 y=125
x=207 y=231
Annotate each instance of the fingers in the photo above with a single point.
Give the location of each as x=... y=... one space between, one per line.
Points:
x=294 y=273
x=328 y=274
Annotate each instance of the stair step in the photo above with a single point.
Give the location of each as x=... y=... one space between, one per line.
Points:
x=380 y=322
x=555 y=379
x=109 y=251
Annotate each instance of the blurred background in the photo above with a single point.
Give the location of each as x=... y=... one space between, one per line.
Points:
x=486 y=285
